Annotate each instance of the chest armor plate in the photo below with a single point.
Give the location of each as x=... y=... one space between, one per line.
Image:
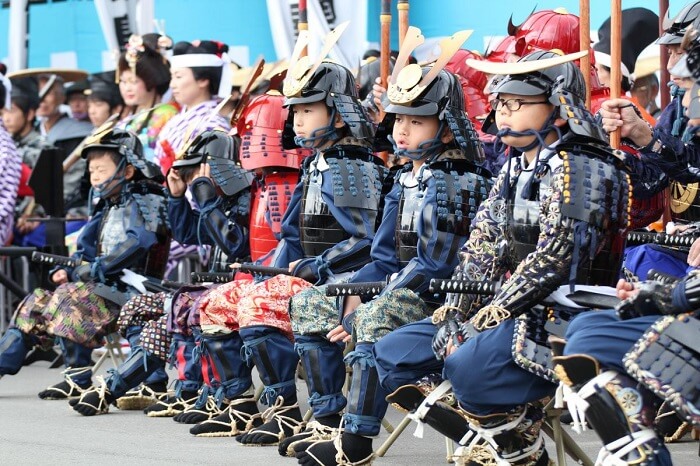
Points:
x=409 y=212
x=318 y=229
x=523 y=222
x=113 y=229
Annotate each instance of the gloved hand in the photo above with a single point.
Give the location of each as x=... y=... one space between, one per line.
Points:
x=448 y=322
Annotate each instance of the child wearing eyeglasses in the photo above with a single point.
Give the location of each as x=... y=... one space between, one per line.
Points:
x=553 y=220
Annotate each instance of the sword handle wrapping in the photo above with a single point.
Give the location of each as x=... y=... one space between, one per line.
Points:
x=355 y=289
x=54 y=259
x=263 y=270
x=212 y=277
x=661 y=239
x=446 y=285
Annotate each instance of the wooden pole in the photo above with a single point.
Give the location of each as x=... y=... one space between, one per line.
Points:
x=615 y=59
x=585 y=39
x=665 y=75
x=303 y=24
x=403 y=7
x=385 y=42
x=384 y=55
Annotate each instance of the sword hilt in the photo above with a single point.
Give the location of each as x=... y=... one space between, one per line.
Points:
x=355 y=289
x=211 y=277
x=448 y=285
x=54 y=259
x=263 y=270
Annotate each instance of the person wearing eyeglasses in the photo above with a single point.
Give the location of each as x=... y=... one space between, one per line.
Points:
x=551 y=222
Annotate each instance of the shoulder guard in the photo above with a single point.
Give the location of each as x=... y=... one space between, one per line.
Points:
x=229 y=176
x=357 y=176
x=595 y=190
x=151 y=201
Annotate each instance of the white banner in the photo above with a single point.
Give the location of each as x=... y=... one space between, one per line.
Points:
x=323 y=15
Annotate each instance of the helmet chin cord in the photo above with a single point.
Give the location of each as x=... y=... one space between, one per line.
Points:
x=540 y=135
x=319 y=136
x=425 y=149
x=98 y=191
x=539 y=140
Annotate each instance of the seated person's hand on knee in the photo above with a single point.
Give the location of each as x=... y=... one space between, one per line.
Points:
x=59 y=277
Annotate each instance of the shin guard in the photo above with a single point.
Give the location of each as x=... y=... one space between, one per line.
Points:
x=182 y=357
x=77 y=356
x=137 y=367
x=614 y=406
x=274 y=356
x=223 y=358
x=325 y=374
x=14 y=346
x=366 y=399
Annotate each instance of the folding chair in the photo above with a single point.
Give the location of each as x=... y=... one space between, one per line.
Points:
x=112 y=350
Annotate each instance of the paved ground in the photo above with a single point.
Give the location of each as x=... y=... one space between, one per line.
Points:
x=34 y=432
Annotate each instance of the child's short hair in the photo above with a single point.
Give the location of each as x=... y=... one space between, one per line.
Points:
x=187 y=173
x=99 y=152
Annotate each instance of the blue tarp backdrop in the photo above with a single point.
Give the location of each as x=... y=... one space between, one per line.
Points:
x=72 y=25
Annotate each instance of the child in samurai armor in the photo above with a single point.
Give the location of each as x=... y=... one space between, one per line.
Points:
x=554 y=217
x=128 y=230
x=221 y=190
x=426 y=220
x=327 y=232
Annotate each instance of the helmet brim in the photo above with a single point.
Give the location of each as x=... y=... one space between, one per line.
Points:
x=669 y=39
x=307 y=97
x=418 y=108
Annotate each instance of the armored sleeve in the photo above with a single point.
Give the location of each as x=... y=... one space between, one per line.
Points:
x=139 y=240
x=438 y=245
x=680 y=161
x=229 y=233
x=184 y=220
x=549 y=265
x=479 y=257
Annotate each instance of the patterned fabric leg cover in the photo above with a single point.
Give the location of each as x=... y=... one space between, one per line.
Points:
x=139 y=310
x=375 y=319
x=325 y=373
x=14 y=346
x=223 y=356
x=156 y=340
x=314 y=313
x=76 y=356
x=274 y=356
x=366 y=399
x=73 y=311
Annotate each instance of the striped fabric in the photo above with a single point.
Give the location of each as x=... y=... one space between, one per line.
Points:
x=10 y=170
x=184 y=127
